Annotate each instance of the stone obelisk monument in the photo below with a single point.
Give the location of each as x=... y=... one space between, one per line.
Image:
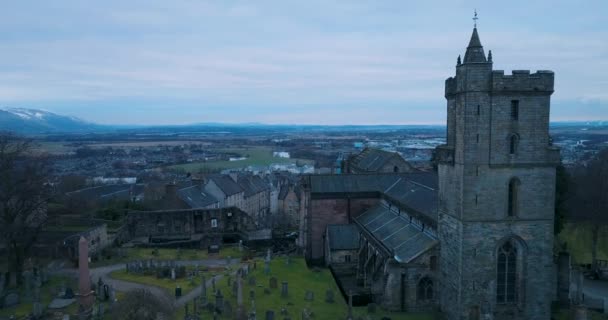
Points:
x=85 y=294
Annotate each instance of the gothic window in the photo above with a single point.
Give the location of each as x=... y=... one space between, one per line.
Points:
x=515 y=110
x=512 y=197
x=213 y=223
x=506 y=273
x=347 y=258
x=395 y=169
x=513 y=141
x=425 y=289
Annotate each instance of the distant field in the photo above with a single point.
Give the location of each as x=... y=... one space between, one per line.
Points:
x=578 y=239
x=137 y=144
x=53 y=147
x=256 y=156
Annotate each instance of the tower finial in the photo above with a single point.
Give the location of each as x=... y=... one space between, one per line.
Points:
x=458 y=62
x=475 y=19
x=489 y=55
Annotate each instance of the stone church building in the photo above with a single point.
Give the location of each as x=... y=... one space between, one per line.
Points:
x=475 y=239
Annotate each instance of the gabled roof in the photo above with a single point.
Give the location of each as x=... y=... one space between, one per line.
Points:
x=416 y=190
x=252 y=185
x=226 y=184
x=371 y=160
x=343 y=237
x=405 y=240
x=195 y=198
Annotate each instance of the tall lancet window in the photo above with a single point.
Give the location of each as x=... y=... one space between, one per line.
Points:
x=506 y=274
x=512 y=197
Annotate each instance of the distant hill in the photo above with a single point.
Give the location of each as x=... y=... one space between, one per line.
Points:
x=33 y=121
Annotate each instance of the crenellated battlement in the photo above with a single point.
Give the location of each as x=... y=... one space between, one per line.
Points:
x=522 y=80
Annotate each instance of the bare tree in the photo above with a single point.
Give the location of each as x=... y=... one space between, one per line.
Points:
x=141 y=305
x=591 y=199
x=24 y=193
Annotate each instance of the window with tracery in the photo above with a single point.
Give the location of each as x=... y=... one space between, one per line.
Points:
x=506 y=274
x=425 y=289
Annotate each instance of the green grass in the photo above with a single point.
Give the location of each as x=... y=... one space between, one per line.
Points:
x=564 y=314
x=133 y=254
x=47 y=294
x=577 y=237
x=256 y=156
x=300 y=279
x=167 y=284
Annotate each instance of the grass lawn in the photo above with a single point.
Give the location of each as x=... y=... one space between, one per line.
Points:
x=47 y=293
x=167 y=284
x=578 y=239
x=300 y=279
x=256 y=156
x=592 y=315
x=133 y=254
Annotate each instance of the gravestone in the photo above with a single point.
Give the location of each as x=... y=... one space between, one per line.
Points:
x=173 y=274
x=252 y=281
x=252 y=294
x=69 y=293
x=284 y=289
x=273 y=283
x=267 y=267
x=350 y=305
x=213 y=283
x=371 y=308
x=269 y=315
x=203 y=286
x=112 y=294
x=11 y=299
x=310 y=296
x=227 y=307
x=235 y=288
x=329 y=296
x=219 y=301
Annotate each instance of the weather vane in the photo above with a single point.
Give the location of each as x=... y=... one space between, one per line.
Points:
x=475 y=19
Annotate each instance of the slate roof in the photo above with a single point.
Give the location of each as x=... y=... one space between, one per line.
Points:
x=195 y=198
x=403 y=239
x=252 y=185
x=226 y=184
x=106 y=192
x=343 y=237
x=417 y=190
x=372 y=160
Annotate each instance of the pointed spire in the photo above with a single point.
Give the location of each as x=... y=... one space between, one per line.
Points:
x=458 y=62
x=474 y=50
x=489 y=55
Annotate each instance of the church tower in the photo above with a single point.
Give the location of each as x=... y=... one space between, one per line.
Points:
x=496 y=192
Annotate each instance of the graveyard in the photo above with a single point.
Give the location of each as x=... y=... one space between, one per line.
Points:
x=124 y=255
x=282 y=288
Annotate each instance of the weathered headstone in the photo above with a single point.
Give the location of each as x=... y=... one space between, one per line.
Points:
x=84 y=279
x=371 y=308
x=284 y=289
x=273 y=283
x=173 y=276
x=11 y=299
x=329 y=296
x=219 y=301
x=269 y=315
x=252 y=294
x=310 y=296
x=227 y=308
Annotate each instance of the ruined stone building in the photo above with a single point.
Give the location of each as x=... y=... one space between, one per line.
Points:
x=474 y=240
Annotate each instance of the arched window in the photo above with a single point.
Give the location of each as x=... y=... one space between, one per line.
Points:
x=506 y=273
x=513 y=141
x=395 y=169
x=425 y=289
x=512 y=197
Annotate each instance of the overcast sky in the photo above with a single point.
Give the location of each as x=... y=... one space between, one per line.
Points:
x=313 y=61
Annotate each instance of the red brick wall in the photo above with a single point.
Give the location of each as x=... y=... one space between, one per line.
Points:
x=331 y=211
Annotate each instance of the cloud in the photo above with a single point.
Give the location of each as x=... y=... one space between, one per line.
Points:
x=275 y=56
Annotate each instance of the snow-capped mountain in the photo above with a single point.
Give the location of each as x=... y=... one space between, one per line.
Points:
x=33 y=121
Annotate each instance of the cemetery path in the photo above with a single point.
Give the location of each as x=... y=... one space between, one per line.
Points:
x=120 y=285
